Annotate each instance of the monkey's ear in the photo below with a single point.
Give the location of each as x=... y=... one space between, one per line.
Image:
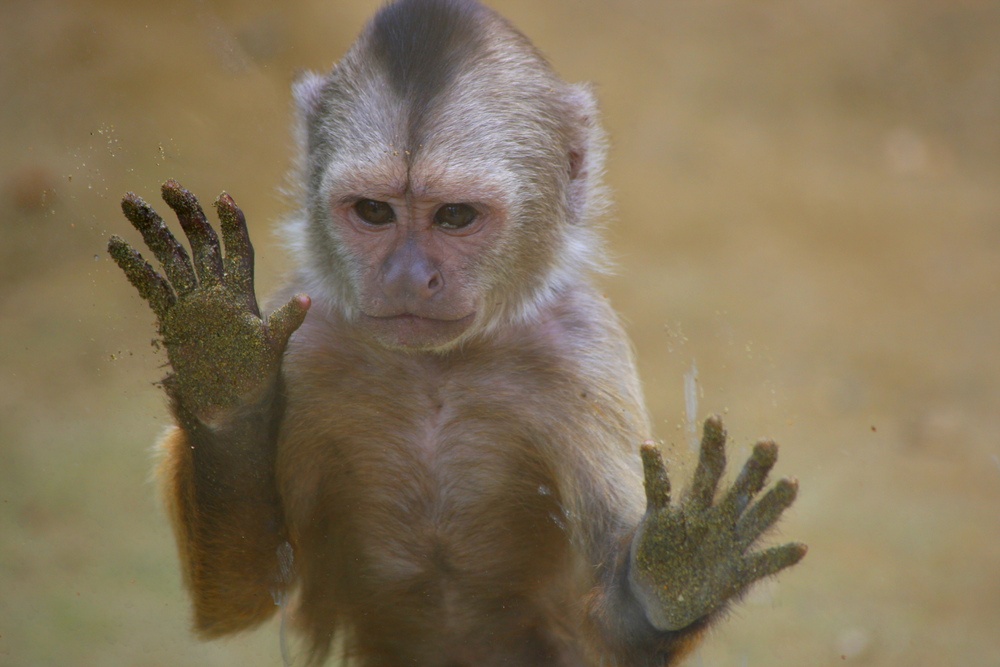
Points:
x=308 y=93
x=587 y=147
x=585 y=132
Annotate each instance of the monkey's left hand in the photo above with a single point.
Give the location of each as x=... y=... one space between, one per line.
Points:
x=688 y=560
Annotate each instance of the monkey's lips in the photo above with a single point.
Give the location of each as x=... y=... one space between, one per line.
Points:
x=411 y=331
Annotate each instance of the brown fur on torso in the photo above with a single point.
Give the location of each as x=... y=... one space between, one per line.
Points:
x=465 y=522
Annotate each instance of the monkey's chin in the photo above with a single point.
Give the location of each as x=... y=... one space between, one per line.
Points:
x=415 y=333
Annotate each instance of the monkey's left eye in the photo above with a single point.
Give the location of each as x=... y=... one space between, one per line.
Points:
x=374 y=212
x=455 y=216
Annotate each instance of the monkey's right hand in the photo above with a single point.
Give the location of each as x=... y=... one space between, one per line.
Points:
x=224 y=356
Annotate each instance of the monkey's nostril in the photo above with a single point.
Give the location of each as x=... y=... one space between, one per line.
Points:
x=435 y=282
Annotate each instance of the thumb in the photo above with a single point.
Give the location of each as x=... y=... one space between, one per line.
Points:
x=283 y=322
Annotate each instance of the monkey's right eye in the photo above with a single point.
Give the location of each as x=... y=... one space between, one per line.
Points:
x=374 y=212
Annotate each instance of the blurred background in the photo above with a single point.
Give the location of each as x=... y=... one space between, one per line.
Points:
x=807 y=238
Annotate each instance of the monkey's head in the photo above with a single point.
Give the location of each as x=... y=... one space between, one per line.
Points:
x=451 y=178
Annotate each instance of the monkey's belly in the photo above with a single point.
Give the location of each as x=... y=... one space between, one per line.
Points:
x=460 y=558
x=464 y=540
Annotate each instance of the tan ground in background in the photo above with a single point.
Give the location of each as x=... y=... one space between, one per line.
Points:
x=809 y=212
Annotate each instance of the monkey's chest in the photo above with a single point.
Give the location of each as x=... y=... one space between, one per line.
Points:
x=428 y=505
x=442 y=517
x=458 y=508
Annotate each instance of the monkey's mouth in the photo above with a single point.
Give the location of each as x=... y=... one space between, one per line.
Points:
x=411 y=331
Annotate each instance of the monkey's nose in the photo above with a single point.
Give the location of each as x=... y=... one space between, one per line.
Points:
x=414 y=281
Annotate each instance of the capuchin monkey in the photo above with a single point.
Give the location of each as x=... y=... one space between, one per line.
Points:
x=438 y=455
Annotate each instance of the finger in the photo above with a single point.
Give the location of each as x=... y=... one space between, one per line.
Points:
x=711 y=463
x=767 y=563
x=204 y=243
x=657 y=482
x=762 y=515
x=283 y=322
x=752 y=478
x=238 y=262
x=166 y=248
x=151 y=285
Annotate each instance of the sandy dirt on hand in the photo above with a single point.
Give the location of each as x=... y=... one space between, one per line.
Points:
x=807 y=239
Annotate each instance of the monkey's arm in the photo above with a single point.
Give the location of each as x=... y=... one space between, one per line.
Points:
x=686 y=562
x=224 y=390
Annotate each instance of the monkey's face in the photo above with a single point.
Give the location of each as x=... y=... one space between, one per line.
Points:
x=448 y=198
x=418 y=251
